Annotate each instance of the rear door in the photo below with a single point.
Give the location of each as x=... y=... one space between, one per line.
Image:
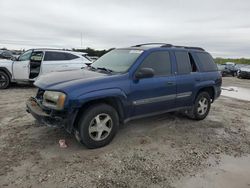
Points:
x=75 y=61
x=60 y=61
x=21 y=66
x=156 y=94
x=187 y=76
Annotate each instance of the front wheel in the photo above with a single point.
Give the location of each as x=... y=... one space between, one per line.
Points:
x=4 y=80
x=98 y=125
x=201 y=107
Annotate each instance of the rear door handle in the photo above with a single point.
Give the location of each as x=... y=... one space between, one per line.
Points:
x=170 y=83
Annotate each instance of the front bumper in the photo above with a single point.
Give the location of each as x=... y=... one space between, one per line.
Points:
x=244 y=74
x=50 y=117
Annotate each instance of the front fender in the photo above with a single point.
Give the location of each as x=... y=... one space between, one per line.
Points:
x=7 y=69
x=100 y=94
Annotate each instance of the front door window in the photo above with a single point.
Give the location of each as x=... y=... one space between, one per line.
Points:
x=25 y=56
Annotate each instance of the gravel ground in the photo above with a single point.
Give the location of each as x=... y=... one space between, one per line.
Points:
x=153 y=152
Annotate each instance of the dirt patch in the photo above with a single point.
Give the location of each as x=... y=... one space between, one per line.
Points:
x=231 y=172
x=156 y=152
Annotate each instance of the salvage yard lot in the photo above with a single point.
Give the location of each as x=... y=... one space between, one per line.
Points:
x=158 y=151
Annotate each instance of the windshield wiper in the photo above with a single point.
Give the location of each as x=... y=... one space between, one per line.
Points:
x=105 y=69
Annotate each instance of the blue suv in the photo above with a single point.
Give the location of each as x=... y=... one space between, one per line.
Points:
x=126 y=84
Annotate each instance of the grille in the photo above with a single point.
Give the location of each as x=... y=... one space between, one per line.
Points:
x=39 y=94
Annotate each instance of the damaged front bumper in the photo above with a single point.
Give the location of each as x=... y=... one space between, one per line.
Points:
x=49 y=117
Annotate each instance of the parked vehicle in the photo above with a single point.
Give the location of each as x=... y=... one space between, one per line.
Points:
x=228 y=68
x=244 y=72
x=6 y=54
x=221 y=69
x=127 y=84
x=93 y=58
x=35 y=62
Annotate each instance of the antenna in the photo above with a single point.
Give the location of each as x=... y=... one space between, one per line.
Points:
x=81 y=39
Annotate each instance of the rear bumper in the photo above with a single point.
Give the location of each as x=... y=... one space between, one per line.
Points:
x=217 y=92
x=50 y=118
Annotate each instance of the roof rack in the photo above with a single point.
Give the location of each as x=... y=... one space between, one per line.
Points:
x=169 y=46
x=148 y=44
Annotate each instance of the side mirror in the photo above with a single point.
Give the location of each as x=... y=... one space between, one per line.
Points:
x=88 y=64
x=14 y=58
x=144 y=73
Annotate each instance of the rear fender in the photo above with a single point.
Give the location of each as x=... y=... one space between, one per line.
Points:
x=202 y=85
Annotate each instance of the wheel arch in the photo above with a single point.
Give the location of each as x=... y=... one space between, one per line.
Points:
x=209 y=89
x=5 y=70
x=113 y=101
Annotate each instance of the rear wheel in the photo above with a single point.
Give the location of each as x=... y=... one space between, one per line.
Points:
x=98 y=125
x=4 y=80
x=201 y=107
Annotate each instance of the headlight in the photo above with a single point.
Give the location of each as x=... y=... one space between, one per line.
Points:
x=54 y=99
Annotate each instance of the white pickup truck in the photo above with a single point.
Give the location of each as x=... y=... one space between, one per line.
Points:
x=32 y=63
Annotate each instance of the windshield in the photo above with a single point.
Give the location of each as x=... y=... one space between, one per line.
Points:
x=119 y=60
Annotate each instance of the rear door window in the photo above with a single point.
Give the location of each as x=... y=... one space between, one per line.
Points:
x=159 y=61
x=183 y=62
x=69 y=56
x=59 y=56
x=206 y=62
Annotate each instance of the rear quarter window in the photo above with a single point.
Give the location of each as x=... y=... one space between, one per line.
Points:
x=206 y=62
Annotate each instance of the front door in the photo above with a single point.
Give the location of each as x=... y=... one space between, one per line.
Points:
x=21 y=66
x=156 y=94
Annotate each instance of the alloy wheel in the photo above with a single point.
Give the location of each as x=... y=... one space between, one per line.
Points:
x=3 y=80
x=100 y=127
x=202 y=106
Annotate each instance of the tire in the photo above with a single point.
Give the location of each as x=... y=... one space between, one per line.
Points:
x=199 y=112
x=4 y=80
x=98 y=126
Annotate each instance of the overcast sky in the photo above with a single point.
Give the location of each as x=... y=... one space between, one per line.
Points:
x=220 y=26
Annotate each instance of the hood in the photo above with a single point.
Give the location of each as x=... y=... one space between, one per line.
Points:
x=246 y=69
x=66 y=79
x=5 y=62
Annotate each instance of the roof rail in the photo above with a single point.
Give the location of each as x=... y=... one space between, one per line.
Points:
x=194 y=48
x=190 y=47
x=62 y=49
x=148 y=44
x=169 y=46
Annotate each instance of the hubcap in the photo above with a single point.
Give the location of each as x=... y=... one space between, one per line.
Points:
x=100 y=127
x=202 y=106
x=3 y=80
